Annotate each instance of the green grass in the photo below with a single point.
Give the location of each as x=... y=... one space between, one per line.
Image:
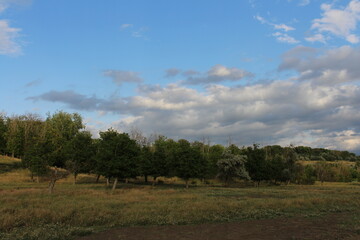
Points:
x=27 y=211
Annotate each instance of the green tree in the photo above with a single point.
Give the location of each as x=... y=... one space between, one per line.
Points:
x=60 y=129
x=188 y=161
x=3 y=130
x=232 y=166
x=164 y=157
x=146 y=162
x=81 y=151
x=256 y=164
x=117 y=155
x=215 y=154
x=204 y=150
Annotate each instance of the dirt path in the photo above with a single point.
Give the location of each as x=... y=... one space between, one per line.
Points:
x=325 y=228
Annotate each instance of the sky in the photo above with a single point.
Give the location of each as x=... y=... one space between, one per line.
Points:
x=246 y=71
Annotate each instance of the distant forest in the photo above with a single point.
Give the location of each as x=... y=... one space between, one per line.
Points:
x=61 y=142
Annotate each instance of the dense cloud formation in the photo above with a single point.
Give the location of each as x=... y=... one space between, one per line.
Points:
x=319 y=106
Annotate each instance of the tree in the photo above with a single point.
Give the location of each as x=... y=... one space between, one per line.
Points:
x=15 y=136
x=81 y=151
x=322 y=170
x=117 y=156
x=146 y=162
x=60 y=129
x=256 y=164
x=188 y=161
x=215 y=154
x=232 y=166
x=3 y=130
x=163 y=157
x=203 y=149
x=49 y=149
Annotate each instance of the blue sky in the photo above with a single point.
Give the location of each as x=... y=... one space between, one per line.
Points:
x=268 y=72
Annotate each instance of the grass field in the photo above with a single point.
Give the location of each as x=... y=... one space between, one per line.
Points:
x=27 y=211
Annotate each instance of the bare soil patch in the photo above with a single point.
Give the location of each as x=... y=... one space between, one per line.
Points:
x=329 y=227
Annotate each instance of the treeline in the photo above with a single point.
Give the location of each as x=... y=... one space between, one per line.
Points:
x=47 y=147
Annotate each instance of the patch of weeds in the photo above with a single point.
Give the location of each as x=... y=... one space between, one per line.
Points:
x=47 y=232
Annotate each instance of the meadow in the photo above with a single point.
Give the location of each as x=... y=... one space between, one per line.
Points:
x=28 y=211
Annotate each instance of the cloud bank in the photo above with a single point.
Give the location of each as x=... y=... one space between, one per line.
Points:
x=319 y=106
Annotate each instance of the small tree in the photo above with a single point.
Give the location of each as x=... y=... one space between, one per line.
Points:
x=232 y=166
x=323 y=171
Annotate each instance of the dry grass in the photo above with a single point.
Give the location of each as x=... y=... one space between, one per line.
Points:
x=8 y=160
x=27 y=211
x=344 y=163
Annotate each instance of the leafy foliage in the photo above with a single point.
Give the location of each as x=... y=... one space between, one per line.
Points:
x=232 y=166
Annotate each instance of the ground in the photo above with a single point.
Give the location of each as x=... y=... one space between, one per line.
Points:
x=328 y=227
x=135 y=210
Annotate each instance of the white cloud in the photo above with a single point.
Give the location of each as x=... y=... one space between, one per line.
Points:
x=281 y=36
x=285 y=38
x=304 y=2
x=341 y=22
x=139 y=33
x=216 y=74
x=9 y=44
x=316 y=38
x=126 y=25
x=261 y=19
x=136 y=32
x=8 y=37
x=283 y=27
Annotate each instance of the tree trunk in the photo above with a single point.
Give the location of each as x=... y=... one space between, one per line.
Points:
x=52 y=185
x=37 y=179
x=75 y=176
x=146 y=178
x=114 y=185
x=126 y=180
x=97 y=178
x=107 y=181
x=154 y=181
x=187 y=183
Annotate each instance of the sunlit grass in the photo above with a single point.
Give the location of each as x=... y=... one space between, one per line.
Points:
x=8 y=160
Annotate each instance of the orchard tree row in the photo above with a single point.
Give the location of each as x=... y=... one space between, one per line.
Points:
x=47 y=147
